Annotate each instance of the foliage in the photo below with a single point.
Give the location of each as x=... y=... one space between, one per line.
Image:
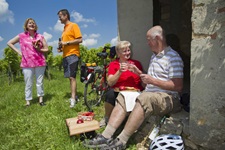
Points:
x=3 y=66
x=10 y=64
x=90 y=56
x=49 y=61
x=57 y=62
x=13 y=62
x=49 y=56
x=83 y=53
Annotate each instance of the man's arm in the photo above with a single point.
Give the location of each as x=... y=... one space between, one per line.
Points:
x=76 y=41
x=174 y=84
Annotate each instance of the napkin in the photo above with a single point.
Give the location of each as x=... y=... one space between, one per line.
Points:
x=130 y=99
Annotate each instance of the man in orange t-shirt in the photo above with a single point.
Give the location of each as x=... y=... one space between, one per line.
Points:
x=69 y=45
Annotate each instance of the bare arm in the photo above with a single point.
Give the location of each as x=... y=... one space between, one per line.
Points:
x=112 y=79
x=12 y=42
x=175 y=84
x=137 y=71
x=76 y=41
x=134 y=69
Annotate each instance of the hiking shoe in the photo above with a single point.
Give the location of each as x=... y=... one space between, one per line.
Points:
x=72 y=102
x=77 y=99
x=97 y=142
x=115 y=144
x=103 y=122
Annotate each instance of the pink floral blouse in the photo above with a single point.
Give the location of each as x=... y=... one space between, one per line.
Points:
x=30 y=56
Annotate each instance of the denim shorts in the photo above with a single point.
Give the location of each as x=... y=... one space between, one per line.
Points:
x=70 y=65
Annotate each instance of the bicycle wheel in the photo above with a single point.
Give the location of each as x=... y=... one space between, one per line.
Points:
x=93 y=91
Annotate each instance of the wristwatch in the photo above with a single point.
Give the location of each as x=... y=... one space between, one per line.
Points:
x=67 y=43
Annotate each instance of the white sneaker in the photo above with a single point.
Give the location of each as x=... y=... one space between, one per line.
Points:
x=69 y=100
x=72 y=102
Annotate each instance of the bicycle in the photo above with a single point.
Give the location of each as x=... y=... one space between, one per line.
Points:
x=95 y=80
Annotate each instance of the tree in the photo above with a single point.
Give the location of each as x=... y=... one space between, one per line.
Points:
x=57 y=62
x=83 y=53
x=49 y=61
x=3 y=66
x=90 y=55
x=13 y=63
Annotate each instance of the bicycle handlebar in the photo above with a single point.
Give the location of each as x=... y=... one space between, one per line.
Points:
x=102 y=55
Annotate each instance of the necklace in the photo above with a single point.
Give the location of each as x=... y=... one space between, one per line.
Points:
x=31 y=37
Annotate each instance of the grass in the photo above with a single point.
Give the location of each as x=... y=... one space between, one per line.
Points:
x=36 y=127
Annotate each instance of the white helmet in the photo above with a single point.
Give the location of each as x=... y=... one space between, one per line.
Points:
x=167 y=142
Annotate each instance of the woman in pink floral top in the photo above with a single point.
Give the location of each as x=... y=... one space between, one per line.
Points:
x=32 y=45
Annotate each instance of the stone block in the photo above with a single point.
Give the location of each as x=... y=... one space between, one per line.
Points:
x=189 y=144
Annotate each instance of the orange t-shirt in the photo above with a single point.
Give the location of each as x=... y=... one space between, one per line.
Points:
x=70 y=33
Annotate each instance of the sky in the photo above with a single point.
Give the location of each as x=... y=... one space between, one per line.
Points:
x=97 y=20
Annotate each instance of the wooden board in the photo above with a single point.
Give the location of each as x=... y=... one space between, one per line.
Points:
x=87 y=126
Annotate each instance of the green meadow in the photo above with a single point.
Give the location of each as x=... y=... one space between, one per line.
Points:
x=36 y=127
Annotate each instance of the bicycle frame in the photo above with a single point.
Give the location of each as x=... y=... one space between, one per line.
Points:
x=96 y=83
x=103 y=82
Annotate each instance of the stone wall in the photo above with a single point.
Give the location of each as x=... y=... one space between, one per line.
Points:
x=177 y=124
x=133 y=25
x=207 y=110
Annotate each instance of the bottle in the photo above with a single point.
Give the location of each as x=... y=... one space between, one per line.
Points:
x=155 y=132
x=60 y=46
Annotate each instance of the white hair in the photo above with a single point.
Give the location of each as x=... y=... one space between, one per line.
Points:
x=122 y=44
x=156 y=31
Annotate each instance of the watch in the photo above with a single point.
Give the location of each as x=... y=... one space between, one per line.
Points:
x=67 y=43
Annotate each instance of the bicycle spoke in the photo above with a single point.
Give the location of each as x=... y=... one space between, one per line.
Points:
x=93 y=93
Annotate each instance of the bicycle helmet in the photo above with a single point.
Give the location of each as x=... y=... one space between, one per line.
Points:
x=167 y=142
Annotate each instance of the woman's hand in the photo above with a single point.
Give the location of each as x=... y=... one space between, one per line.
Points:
x=133 y=68
x=19 y=53
x=40 y=46
x=123 y=67
x=37 y=44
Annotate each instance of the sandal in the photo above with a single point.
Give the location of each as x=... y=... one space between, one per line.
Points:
x=27 y=105
x=42 y=104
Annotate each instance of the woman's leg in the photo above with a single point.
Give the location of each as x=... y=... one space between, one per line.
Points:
x=108 y=105
x=39 y=73
x=108 y=110
x=28 y=78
